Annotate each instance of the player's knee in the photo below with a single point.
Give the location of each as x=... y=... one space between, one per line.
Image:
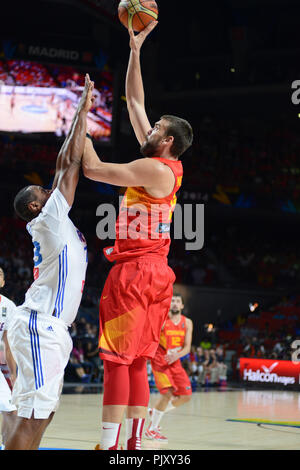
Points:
x=168 y=394
x=30 y=426
x=186 y=398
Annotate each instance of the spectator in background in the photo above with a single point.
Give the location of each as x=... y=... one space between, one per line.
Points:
x=205 y=343
x=73 y=330
x=91 y=354
x=197 y=364
x=222 y=367
x=199 y=355
x=212 y=368
x=77 y=362
x=278 y=350
x=89 y=331
x=203 y=369
x=248 y=350
x=189 y=362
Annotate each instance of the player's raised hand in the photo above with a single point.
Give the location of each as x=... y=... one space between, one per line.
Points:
x=87 y=99
x=137 y=40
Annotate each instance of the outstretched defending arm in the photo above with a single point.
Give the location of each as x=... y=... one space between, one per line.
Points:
x=69 y=158
x=134 y=85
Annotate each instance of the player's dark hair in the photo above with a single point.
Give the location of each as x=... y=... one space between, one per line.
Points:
x=176 y=294
x=182 y=132
x=22 y=199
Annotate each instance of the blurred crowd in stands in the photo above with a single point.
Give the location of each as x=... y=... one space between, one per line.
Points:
x=28 y=73
x=231 y=257
x=254 y=157
x=244 y=164
x=23 y=73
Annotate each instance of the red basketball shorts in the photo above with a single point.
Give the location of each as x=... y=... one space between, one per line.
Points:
x=134 y=305
x=170 y=376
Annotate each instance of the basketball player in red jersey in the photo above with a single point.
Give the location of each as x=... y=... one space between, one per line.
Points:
x=170 y=377
x=137 y=294
x=12 y=101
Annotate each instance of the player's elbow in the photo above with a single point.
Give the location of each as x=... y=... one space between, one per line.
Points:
x=92 y=171
x=131 y=102
x=134 y=107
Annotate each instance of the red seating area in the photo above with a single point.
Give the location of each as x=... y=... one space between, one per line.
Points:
x=268 y=327
x=284 y=317
x=63 y=73
x=29 y=73
x=3 y=72
x=14 y=152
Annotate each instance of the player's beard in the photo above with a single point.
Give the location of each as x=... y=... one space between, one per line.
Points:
x=149 y=149
x=175 y=312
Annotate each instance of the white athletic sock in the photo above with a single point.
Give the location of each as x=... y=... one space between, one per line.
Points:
x=155 y=419
x=110 y=436
x=170 y=406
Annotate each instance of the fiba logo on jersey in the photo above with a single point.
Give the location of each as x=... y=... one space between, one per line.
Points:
x=141 y=222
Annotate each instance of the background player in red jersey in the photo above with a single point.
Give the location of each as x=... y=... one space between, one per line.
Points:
x=170 y=377
x=137 y=294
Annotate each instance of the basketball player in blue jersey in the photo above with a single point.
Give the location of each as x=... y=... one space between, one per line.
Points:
x=38 y=333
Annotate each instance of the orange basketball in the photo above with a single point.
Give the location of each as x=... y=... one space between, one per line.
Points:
x=137 y=14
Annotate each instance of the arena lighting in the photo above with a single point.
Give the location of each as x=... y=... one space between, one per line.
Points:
x=209 y=327
x=232 y=69
x=253 y=307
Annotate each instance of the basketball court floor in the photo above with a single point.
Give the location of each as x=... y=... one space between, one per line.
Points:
x=33 y=113
x=234 y=419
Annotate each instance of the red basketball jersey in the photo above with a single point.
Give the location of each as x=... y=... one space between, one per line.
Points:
x=172 y=336
x=143 y=224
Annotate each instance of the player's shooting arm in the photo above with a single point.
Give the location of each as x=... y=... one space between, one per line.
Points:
x=140 y=172
x=135 y=96
x=70 y=155
x=9 y=359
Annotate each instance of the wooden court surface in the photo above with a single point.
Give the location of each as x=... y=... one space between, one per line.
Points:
x=201 y=424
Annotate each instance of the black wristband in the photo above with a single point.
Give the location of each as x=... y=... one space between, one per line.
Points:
x=88 y=136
